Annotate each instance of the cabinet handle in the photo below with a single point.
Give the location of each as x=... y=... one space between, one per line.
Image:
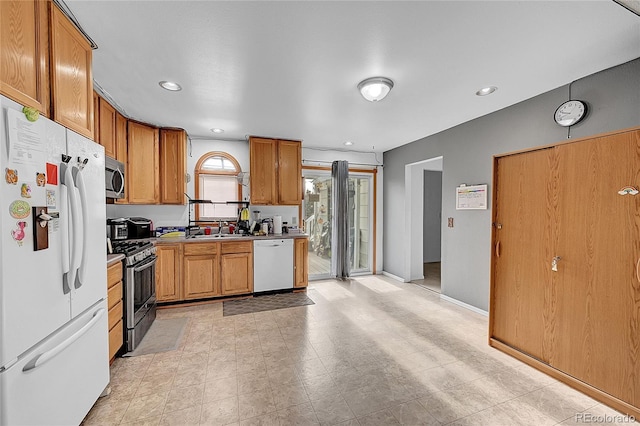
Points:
x=554 y=263
x=498 y=249
x=638 y=270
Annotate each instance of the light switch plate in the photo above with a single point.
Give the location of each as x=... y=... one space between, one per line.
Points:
x=450 y=222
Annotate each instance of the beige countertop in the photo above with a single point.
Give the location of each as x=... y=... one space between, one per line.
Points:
x=227 y=237
x=113 y=258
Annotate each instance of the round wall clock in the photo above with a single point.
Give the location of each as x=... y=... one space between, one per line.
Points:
x=570 y=113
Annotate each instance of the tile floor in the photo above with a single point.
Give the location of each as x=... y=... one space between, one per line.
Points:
x=371 y=351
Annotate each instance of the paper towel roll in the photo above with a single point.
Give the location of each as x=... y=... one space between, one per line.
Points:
x=277 y=225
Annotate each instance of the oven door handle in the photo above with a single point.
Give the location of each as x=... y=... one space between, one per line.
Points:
x=146 y=265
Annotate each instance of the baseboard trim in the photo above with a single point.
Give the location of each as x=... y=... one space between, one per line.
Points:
x=583 y=387
x=464 y=305
x=395 y=277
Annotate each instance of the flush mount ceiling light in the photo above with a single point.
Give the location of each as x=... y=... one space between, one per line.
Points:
x=375 y=89
x=486 y=91
x=348 y=143
x=170 y=85
x=216 y=130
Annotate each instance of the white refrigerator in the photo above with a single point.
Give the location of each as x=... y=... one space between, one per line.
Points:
x=53 y=311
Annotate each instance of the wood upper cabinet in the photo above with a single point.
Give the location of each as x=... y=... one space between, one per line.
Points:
x=168 y=272
x=106 y=117
x=289 y=172
x=201 y=270
x=71 y=77
x=301 y=262
x=263 y=159
x=276 y=171
x=96 y=117
x=236 y=267
x=142 y=164
x=24 y=52
x=122 y=152
x=173 y=166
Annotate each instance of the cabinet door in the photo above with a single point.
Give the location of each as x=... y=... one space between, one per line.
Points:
x=96 y=117
x=236 y=273
x=301 y=263
x=262 y=177
x=143 y=164
x=201 y=275
x=289 y=172
x=173 y=158
x=522 y=250
x=71 y=78
x=168 y=276
x=24 y=52
x=121 y=152
x=597 y=312
x=107 y=125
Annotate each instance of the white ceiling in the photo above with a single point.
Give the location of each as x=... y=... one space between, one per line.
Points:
x=289 y=69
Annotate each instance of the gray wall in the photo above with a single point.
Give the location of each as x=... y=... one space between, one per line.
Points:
x=613 y=98
x=432 y=210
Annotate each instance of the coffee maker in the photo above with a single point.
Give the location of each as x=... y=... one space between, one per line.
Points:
x=243 y=221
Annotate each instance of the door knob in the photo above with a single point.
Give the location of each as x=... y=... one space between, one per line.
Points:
x=554 y=263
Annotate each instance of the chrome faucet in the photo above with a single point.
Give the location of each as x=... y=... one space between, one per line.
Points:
x=220 y=227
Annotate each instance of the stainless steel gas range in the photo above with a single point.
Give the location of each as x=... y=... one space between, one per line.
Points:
x=139 y=288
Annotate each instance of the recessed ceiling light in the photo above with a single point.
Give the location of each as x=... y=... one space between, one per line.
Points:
x=486 y=91
x=170 y=85
x=348 y=143
x=216 y=130
x=375 y=89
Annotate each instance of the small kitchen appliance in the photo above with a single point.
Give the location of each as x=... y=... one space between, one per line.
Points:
x=139 y=227
x=117 y=228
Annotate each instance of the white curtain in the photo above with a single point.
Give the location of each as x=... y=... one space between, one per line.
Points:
x=340 y=220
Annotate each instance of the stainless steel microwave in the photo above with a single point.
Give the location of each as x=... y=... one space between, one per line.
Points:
x=114 y=178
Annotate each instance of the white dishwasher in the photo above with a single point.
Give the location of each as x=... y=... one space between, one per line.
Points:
x=272 y=265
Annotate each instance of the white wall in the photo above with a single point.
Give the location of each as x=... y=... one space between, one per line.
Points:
x=613 y=97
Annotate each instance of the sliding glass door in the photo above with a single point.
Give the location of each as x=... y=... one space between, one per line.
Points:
x=317 y=215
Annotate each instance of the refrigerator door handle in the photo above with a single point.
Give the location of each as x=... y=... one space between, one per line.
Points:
x=66 y=188
x=82 y=189
x=76 y=246
x=42 y=358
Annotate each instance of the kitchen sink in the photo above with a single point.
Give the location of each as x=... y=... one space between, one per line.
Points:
x=214 y=236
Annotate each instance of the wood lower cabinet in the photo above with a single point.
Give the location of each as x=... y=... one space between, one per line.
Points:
x=24 y=52
x=115 y=306
x=236 y=267
x=142 y=164
x=71 y=77
x=301 y=263
x=276 y=171
x=173 y=166
x=168 y=272
x=201 y=270
x=565 y=293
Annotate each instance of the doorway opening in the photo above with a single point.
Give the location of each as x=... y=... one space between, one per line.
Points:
x=423 y=226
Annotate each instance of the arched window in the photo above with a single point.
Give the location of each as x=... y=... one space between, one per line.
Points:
x=217 y=180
